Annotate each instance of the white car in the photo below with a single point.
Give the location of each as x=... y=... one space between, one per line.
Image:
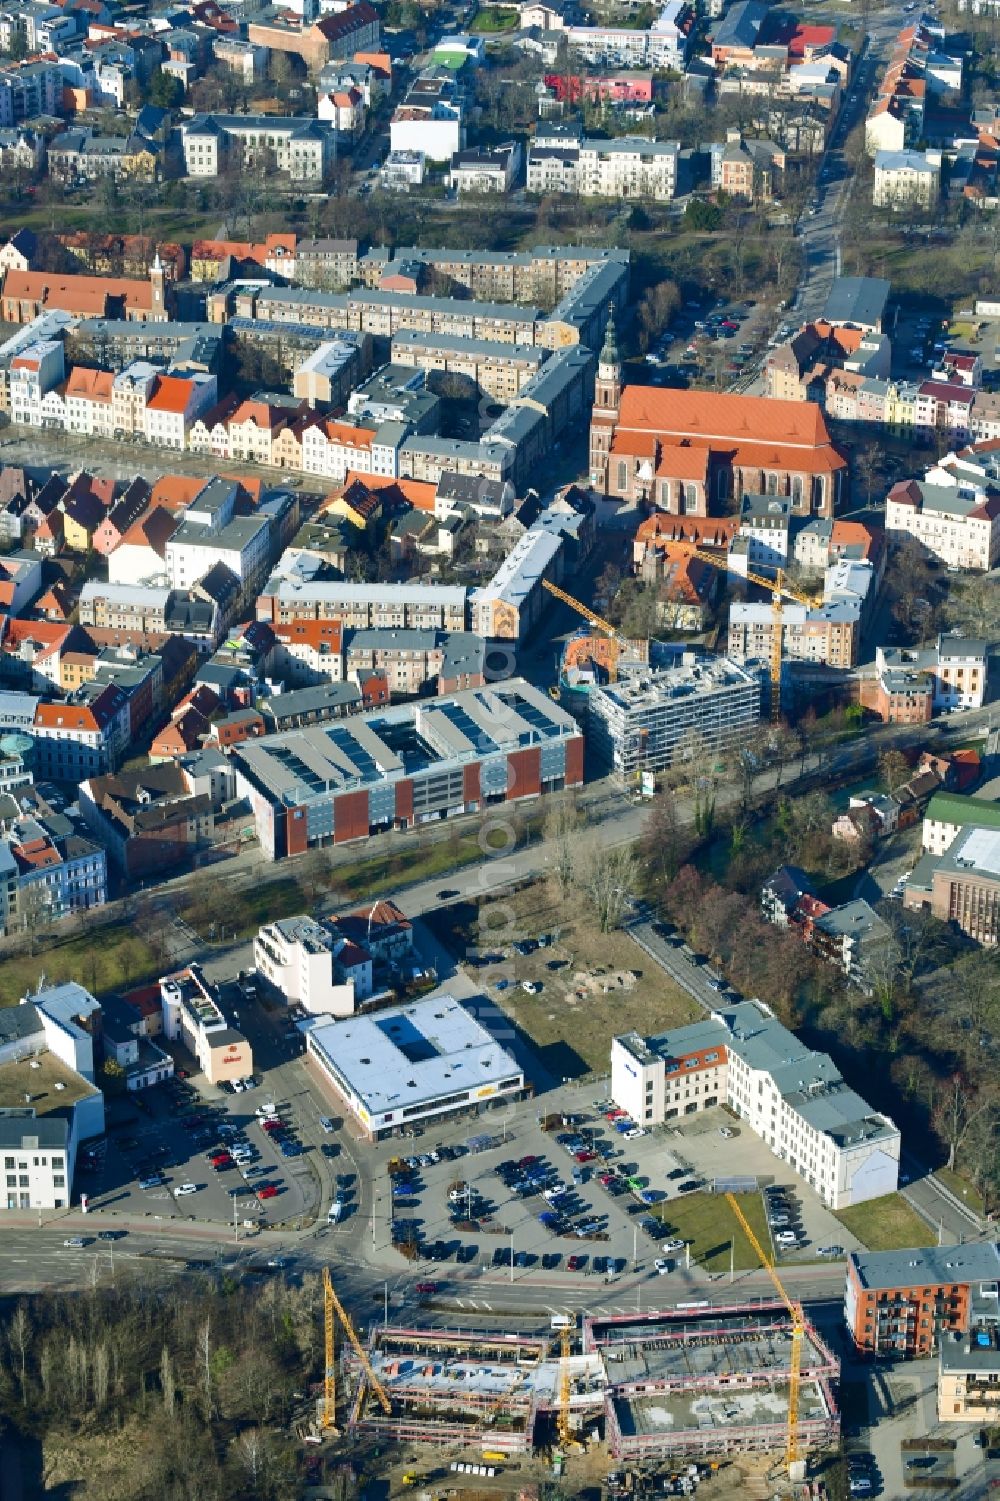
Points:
x=633 y=1132
x=786 y=1238
x=726 y=1131
x=673 y=1245
x=663 y=1267
x=185 y=1188
x=326 y=1123
x=555 y=1192
x=530 y=987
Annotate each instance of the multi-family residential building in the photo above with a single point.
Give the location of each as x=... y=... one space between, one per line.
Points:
x=412 y=659
x=625 y=167
x=957 y=521
x=948 y=813
x=906 y=179
x=956 y=666
x=34 y=374
x=148 y=820
x=76 y=156
x=313 y=965
x=793 y=1098
x=46 y=875
x=305 y=149
x=336 y=34
x=499 y=369
x=653 y=718
x=905 y=1303
x=493 y=169
x=430 y=118
x=302 y=589
x=193 y=1017
x=173 y=405
x=85 y=736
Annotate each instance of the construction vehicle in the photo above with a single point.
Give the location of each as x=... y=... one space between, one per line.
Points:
x=792 y=1457
x=616 y=641
x=779 y=591
x=332 y=1306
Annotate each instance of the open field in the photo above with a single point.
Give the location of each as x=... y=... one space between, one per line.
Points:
x=706 y=1222
x=887 y=1224
x=492 y=19
x=104 y=959
x=593 y=984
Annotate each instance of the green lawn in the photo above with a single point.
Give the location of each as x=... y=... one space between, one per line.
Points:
x=887 y=1224
x=708 y=1225
x=105 y=959
x=493 y=19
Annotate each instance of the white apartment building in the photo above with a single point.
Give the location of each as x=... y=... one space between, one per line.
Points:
x=330 y=448
x=906 y=179
x=793 y=1098
x=956 y=665
x=486 y=170
x=193 y=1017
x=955 y=519
x=34 y=373
x=211 y=533
x=129 y=395
x=629 y=167
x=305 y=149
x=310 y=964
x=174 y=404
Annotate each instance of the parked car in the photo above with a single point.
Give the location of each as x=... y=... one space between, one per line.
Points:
x=267 y=1191
x=663 y=1266
x=183 y=1189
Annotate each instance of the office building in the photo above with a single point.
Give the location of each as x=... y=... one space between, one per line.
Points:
x=792 y=1097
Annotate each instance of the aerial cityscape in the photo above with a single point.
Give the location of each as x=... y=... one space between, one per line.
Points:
x=499 y=749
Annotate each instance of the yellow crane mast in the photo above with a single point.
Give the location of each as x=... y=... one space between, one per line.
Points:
x=616 y=641
x=565 y=1432
x=332 y=1305
x=780 y=591
x=798 y=1330
x=329 y=1367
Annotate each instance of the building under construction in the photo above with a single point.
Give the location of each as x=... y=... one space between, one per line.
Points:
x=700 y=1382
x=686 y=1383
x=444 y=1388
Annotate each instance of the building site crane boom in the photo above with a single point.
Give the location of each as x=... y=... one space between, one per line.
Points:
x=779 y=591
x=616 y=641
x=332 y=1305
x=798 y=1329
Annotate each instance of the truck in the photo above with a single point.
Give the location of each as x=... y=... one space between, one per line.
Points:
x=334 y=1212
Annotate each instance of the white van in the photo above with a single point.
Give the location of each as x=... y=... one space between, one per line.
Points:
x=562 y=1321
x=334 y=1212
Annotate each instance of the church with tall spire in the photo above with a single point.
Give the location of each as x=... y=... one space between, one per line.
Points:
x=607 y=400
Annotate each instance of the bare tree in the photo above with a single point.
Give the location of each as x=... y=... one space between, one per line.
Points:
x=607 y=879
x=562 y=833
x=168 y=1386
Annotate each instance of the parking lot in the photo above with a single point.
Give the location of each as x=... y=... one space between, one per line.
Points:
x=555 y=1199
x=157 y=1159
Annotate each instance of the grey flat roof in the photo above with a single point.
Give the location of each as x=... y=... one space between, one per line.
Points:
x=977 y=1261
x=412 y=1055
x=456 y=344
x=857 y=299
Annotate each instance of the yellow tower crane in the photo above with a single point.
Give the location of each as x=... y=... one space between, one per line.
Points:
x=565 y=1432
x=780 y=591
x=331 y=1306
x=798 y=1329
x=616 y=641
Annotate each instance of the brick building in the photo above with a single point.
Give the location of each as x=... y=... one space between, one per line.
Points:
x=900 y=1303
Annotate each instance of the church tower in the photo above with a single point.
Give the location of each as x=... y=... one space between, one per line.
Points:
x=604 y=417
x=157 y=278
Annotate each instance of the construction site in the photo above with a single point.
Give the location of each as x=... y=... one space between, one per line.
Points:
x=679 y=1384
x=712 y=1382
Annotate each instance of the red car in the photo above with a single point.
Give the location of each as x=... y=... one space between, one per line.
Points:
x=271 y=1126
x=182 y=1073
x=267 y=1192
x=527 y=1161
x=585 y=1156
x=575 y=1264
x=606 y=1178
x=221 y=1159
x=426 y=1287
x=223 y=1165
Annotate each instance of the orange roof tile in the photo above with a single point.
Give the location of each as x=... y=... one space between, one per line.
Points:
x=172 y=393
x=94 y=384
x=314 y=633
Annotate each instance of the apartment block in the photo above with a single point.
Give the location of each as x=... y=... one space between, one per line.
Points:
x=697 y=708
x=957 y=522
x=193 y=1017
x=906 y=1303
